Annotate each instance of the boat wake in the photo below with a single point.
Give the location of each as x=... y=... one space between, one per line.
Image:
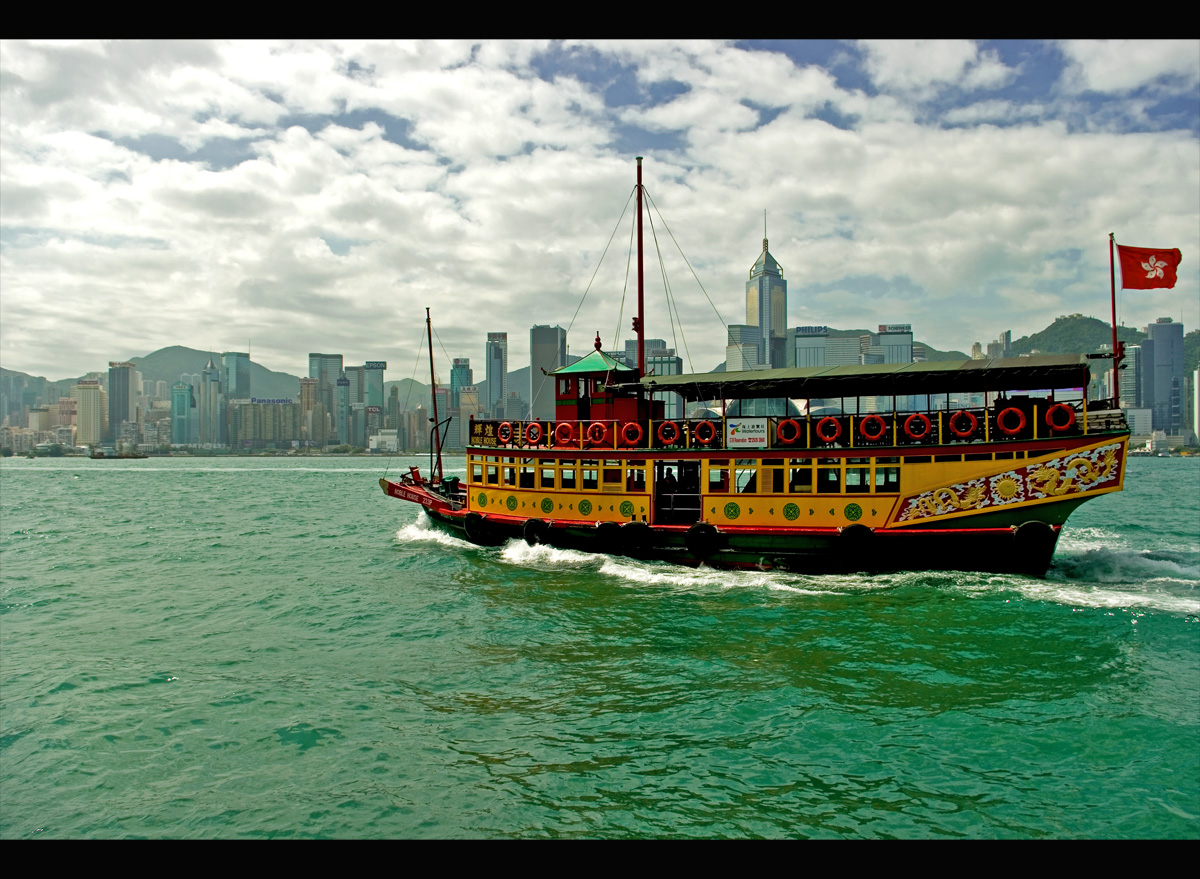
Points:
x=423 y=530
x=518 y=552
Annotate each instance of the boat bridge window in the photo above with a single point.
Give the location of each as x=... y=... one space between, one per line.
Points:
x=547 y=477
x=887 y=479
x=567 y=474
x=591 y=473
x=829 y=480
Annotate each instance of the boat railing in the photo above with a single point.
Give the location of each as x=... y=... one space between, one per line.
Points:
x=1008 y=420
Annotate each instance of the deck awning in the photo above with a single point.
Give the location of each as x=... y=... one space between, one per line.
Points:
x=938 y=377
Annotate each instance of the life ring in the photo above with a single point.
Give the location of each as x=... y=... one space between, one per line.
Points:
x=597 y=433
x=920 y=419
x=878 y=434
x=504 y=432
x=533 y=433
x=1005 y=429
x=795 y=431
x=668 y=427
x=634 y=428
x=821 y=425
x=564 y=434
x=952 y=423
x=708 y=435
x=1053 y=423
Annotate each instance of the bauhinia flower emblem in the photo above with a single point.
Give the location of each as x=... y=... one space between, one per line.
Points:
x=1154 y=268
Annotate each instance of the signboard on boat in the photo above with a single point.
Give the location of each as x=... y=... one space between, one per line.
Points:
x=746 y=433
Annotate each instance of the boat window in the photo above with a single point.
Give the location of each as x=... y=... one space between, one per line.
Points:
x=941 y=458
x=1004 y=456
x=590 y=476
x=747 y=476
x=493 y=474
x=477 y=473
x=718 y=478
x=887 y=479
x=493 y=459
x=829 y=480
x=612 y=478
x=610 y=463
x=772 y=478
x=917 y=459
x=510 y=475
x=568 y=475
x=800 y=480
x=858 y=460
x=887 y=460
x=977 y=457
x=772 y=462
x=833 y=461
x=635 y=479
x=547 y=477
x=858 y=480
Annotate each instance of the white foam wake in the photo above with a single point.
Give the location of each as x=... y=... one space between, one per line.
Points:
x=425 y=530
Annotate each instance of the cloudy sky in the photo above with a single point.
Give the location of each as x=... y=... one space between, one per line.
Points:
x=297 y=197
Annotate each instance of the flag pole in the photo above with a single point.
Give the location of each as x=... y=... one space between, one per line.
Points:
x=1116 y=353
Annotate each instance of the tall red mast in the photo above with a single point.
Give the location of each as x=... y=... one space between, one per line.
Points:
x=641 y=282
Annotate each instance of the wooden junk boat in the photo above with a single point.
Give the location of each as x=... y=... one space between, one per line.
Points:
x=969 y=465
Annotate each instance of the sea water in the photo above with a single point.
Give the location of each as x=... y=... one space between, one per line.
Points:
x=266 y=647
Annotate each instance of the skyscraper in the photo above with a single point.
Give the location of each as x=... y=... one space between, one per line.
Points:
x=182 y=404
x=326 y=369
x=548 y=351
x=1162 y=374
x=744 y=348
x=460 y=377
x=496 y=373
x=766 y=308
x=90 y=412
x=809 y=346
x=237 y=375
x=211 y=410
x=124 y=387
x=373 y=376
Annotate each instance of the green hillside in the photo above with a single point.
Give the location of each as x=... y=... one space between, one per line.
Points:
x=1075 y=335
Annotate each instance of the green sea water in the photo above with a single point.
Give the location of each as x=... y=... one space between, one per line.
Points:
x=244 y=647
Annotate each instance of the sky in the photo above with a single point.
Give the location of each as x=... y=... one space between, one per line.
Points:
x=296 y=197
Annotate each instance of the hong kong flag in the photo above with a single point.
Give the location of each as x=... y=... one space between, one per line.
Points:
x=1143 y=268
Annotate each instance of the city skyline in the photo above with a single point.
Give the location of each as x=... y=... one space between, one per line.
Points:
x=316 y=196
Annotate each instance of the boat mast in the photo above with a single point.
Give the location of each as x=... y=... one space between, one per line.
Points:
x=641 y=340
x=433 y=391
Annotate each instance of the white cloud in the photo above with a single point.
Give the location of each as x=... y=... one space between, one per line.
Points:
x=1125 y=65
x=496 y=212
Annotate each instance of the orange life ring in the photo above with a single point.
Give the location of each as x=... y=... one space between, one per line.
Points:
x=564 y=434
x=1053 y=424
x=637 y=433
x=872 y=419
x=533 y=433
x=597 y=433
x=674 y=431
x=952 y=423
x=709 y=435
x=820 y=430
x=779 y=431
x=1011 y=431
x=504 y=432
x=922 y=419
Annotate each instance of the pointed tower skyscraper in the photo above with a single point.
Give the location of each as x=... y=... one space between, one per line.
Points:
x=766 y=307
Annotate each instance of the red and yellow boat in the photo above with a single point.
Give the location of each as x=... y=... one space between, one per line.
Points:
x=971 y=465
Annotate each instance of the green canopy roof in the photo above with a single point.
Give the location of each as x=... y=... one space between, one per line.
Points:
x=938 y=377
x=596 y=362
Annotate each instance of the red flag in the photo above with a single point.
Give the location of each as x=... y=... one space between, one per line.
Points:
x=1143 y=268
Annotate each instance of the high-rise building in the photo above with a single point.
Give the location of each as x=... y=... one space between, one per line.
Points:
x=808 y=347
x=373 y=378
x=91 y=412
x=326 y=369
x=664 y=362
x=237 y=375
x=896 y=340
x=308 y=394
x=842 y=351
x=182 y=405
x=496 y=373
x=1162 y=374
x=124 y=387
x=766 y=308
x=547 y=351
x=460 y=377
x=1130 y=383
x=211 y=409
x=744 y=347
x=342 y=402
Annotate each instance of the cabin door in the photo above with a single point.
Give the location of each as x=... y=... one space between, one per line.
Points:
x=583 y=401
x=676 y=492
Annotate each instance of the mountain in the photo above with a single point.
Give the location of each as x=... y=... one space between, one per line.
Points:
x=1075 y=334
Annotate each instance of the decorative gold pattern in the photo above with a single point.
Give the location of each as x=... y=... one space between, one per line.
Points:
x=1070 y=474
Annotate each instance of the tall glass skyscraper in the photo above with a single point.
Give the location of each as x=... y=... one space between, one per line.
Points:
x=237 y=375
x=460 y=377
x=766 y=308
x=496 y=373
x=124 y=385
x=1162 y=374
x=548 y=351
